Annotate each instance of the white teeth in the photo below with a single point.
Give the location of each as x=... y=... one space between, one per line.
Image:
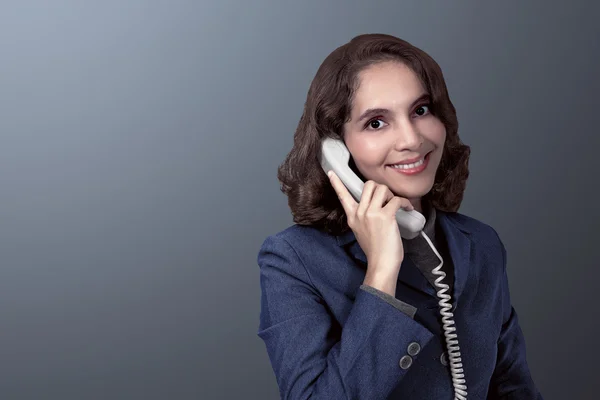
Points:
x=409 y=166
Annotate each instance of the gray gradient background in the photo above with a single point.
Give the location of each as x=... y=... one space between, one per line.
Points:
x=139 y=142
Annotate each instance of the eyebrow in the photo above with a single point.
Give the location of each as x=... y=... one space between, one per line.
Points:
x=371 y=112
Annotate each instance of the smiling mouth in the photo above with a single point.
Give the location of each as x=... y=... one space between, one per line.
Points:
x=412 y=168
x=413 y=165
x=409 y=166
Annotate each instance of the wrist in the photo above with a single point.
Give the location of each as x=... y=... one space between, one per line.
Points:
x=384 y=281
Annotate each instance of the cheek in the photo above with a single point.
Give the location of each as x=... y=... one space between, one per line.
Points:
x=435 y=131
x=367 y=152
x=440 y=135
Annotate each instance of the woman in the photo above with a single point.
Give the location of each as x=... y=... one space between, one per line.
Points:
x=349 y=308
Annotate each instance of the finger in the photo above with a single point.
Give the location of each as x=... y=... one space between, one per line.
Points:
x=397 y=203
x=348 y=202
x=380 y=197
x=365 y=198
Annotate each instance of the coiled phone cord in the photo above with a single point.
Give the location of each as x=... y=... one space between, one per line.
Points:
x=456 y=370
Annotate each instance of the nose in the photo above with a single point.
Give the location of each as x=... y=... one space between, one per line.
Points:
x=407 y=137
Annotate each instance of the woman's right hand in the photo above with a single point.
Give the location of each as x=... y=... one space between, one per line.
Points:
x=373 y=222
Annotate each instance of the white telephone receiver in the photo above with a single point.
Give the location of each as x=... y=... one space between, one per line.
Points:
x=335 y=156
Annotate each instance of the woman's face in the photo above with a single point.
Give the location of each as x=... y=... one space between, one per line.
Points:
x=392 y=135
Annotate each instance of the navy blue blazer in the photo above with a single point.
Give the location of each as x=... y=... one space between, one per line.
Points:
x=329 y=339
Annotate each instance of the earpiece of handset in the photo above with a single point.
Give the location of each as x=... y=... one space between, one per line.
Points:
x=410 y=223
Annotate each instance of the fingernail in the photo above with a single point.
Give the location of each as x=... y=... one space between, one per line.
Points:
x=329 y=173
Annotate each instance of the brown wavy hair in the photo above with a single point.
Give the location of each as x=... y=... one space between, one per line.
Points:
x=311 y=197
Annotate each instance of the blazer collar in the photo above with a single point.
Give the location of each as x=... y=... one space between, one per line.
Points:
x=458 y=238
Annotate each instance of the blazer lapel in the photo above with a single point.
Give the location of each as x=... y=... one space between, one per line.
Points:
x=458 y=237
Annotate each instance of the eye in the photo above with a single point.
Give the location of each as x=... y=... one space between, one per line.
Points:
x=422 y=109
x=375 y=124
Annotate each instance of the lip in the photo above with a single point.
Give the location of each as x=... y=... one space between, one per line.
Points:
x=413 y=171
x=410 y=161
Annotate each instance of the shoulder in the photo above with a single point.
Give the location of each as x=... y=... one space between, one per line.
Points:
x=302 y=235
x=481 y=234
x=299 y=254
x=476 y=228
x=298 y=241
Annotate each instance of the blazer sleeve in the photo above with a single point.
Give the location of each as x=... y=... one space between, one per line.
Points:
x=406 y=308
x=511 y=378
x=311 y=355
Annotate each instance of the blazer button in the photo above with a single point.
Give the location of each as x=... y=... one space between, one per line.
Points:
x=444 y=359
x=414 y=348
x=405 y=362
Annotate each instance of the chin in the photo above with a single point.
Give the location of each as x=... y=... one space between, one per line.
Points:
x=413 y=191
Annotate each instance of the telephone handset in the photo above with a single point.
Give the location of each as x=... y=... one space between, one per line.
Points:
x=335 y=156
